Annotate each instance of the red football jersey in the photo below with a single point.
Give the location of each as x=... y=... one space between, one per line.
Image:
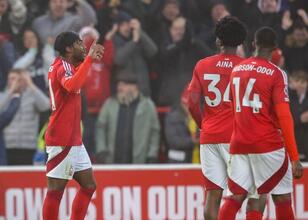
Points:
x=211 y=78
x=64 y=124
x=257 y=85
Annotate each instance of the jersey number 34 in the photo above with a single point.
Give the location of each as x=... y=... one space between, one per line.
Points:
x=255 y=103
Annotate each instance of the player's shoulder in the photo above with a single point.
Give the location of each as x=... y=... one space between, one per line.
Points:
x=57 y=64
x=255 y=64
x=54 y=66
x=265 y=66
x=62 y=67
x=280 y=73
x=65 y=65
x=208 y=62
x=276 y=70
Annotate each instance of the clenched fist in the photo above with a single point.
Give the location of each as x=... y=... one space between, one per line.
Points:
x=96 y=51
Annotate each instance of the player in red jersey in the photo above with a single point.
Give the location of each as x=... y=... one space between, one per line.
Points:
x=259 y=161
x=211 y=79
x=67 y=157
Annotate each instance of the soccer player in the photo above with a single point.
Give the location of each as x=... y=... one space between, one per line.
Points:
x=259 y=160
x=211 y=79
x=67 y=156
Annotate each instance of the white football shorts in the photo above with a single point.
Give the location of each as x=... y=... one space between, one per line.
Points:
x=214 y=159
x=269 y=172
x=63 y=162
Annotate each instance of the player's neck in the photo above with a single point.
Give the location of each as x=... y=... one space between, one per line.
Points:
x=71 y=60
x=229 y=50
x=265 y=54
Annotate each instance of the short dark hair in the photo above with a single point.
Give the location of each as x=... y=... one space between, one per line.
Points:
x=127 y=77
x=65 y=39
x=266 y=38
x=167 y=2
x=122 y=16
x=231 y=31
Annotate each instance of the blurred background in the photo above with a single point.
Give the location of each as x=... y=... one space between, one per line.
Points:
x=136 y=93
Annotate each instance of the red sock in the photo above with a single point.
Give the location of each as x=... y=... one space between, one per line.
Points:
x=51 y=204
x=284 y=211
x=81 y=203
x=229 y=209
x=254 y=215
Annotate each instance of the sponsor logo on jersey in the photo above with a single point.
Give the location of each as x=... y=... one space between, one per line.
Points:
x=68 y=74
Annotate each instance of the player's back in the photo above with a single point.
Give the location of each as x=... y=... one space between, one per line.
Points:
x=257 y=85
x=214 y=76
x=64 y=123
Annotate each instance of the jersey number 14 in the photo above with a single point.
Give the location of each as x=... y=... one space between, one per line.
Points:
x=255 y=103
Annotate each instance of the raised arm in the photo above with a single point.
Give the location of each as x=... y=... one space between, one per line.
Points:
x=75 y=82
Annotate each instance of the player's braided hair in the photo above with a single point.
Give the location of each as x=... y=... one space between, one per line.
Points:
x=266 y=37
x=230 y=31
x=65 y=39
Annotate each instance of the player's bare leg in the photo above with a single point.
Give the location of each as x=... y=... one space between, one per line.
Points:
x=53 y=198
x=255 y=208
x=56 y=184
x=231 y=206
x=213 y=199
x=283 y=204
x=87 y=183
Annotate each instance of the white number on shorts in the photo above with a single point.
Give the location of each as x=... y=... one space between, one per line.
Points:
x=255 y=103
x=52 y=96
x=215 y=78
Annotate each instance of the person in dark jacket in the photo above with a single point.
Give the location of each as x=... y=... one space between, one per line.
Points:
x=7 y=114
x=7 y=58
x=296 y=48
x=133 y=47
x=218 y=11
x=179 y=52
x=299 y=108
x=181 y=133
x=258 y=13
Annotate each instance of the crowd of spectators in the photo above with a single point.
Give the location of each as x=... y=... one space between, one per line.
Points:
x=134 y=108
